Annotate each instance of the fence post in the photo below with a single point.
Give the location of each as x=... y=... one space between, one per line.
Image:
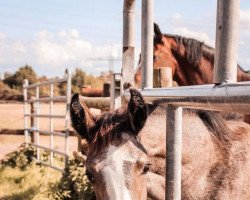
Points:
x=163 y=77
x=25 y=98
x=32 y=121
x=128 y=43
x=68 y=75
x=115 y=99
x=51 y=122
x=106 y=89
x=37 y=121
x=147 y=33
x=226 y=48
x=173 y=153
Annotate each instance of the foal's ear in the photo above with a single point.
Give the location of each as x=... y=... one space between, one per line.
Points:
x=81 y=118
x=157 y=34
x=137 y=111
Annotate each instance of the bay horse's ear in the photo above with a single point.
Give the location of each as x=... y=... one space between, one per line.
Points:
x=81 y=118
x=137 y=111
x=157 y=34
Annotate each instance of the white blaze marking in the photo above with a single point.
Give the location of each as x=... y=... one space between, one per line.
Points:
x=114 y=175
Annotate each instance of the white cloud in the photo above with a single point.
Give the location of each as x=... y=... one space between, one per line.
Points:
x=245 y=17
x=177 y=18
x=199 y=35
x=50 y=53
x=248 y=61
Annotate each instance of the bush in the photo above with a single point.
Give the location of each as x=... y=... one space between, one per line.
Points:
x=74 y=183
x=20 y=158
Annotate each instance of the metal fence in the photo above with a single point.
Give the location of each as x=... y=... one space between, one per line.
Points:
x=35 y=128
x=225 y=95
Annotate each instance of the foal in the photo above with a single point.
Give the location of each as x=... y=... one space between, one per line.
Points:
x=127 y=150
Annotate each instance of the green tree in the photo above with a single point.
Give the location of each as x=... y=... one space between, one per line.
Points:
x=15 y=81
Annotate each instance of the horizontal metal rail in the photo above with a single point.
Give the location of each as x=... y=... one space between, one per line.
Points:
x=47 y=164
x=226 y=97
x=52 y=81
x=55 y=133
x=45 y=116
x=48 y=149
x=47 y=99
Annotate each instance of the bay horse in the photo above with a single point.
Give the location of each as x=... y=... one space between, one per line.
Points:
x=127 y=150
x=192 y=61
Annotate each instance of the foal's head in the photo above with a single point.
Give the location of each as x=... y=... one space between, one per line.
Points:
x=116 y=161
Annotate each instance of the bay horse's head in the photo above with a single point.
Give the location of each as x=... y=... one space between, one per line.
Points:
x=116 y=160
x=165 y=50
x=166 y=53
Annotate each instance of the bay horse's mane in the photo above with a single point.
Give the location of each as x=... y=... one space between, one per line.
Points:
x=195 y=49
x=110 y=126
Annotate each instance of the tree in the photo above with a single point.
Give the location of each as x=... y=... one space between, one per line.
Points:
x=15 y=81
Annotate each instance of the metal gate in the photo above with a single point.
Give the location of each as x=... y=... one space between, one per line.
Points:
x=224 y=95
x=35 y=128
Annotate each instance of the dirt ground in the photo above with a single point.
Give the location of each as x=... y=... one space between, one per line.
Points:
x=11 y=117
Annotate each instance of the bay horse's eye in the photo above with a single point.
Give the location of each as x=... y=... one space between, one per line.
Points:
x=90 y=176
x=146 y=168
x=154 y=57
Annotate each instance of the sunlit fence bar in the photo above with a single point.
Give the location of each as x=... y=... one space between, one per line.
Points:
x=231 y=97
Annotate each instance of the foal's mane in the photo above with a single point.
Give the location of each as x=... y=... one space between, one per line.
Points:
x=110 y=126
x=195 y=49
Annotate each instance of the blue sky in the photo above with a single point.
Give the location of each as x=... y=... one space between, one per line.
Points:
x=51 y=35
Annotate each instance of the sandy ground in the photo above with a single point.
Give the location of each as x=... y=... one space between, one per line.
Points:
x=11 y=117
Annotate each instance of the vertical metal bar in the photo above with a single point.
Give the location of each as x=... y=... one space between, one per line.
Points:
x=147 y=33
x=25 y=97
x=32 y=122
x=115 y=101
x=67 y=116
x=112 y=92
x=173 y=151
x=226 y=48
x=128 y=43
x=51 y=125
x=37 y=122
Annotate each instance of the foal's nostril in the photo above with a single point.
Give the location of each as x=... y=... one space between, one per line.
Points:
x=146 y=168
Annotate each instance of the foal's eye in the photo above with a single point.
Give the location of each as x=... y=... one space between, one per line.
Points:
x=90 y=176
x=146 y=168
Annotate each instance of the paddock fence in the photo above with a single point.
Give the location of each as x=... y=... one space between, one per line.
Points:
x=34 y=129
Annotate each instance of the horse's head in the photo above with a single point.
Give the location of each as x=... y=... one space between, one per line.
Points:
x=166 y=50
x=166 y=53
x=116 y=161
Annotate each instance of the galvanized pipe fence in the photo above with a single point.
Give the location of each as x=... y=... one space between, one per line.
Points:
x=225 y=95
x=35 y=128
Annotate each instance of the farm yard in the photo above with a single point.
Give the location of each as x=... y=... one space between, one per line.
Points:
x=85 y=115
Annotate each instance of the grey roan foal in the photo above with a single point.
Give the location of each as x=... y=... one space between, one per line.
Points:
x=126 y=155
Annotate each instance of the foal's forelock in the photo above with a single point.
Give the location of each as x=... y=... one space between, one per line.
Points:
x=108 y=129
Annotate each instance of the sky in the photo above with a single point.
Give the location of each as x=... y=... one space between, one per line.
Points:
x=52 y=35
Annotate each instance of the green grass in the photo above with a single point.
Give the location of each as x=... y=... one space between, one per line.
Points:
x=22 y=179
x=35 y=182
